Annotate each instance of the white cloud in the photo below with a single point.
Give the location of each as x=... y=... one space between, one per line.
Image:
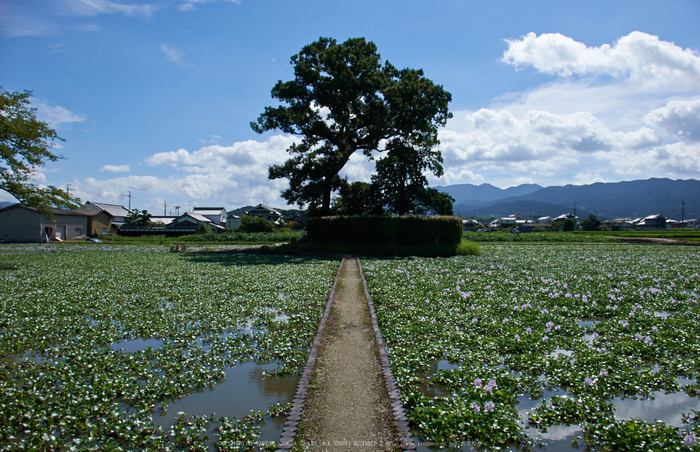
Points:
x=189 y=5
x=641 y=58
x=231 y=175
x=173 y=54
x=96 y=7
x=15 y=23
x=613 y=112
x=55 y=114
x=680 y=117
x=116 y=168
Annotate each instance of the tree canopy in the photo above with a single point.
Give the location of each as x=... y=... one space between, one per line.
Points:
x=25 y=144
x=342 y=100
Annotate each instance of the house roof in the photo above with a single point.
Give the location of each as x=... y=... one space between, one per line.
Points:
x=112 y=209
x=80 y=212
x=263 y=207
x=209 y=210
x=162 y=219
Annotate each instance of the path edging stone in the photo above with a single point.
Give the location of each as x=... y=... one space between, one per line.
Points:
x=290 y=427
x=406 y=441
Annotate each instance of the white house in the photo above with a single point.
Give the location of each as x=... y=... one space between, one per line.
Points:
x=266 y=212
x=217 y=215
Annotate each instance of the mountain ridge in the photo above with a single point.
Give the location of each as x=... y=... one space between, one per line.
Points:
x=607 y=200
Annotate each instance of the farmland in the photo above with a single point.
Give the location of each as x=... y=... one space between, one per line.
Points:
x=564 y=345
x=96 y=343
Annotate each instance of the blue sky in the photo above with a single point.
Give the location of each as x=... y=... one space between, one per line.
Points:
x=155 y=97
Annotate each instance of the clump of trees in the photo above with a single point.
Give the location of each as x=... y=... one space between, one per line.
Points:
x=25 y=145
x=592 y=223
x=140 y=218
x=342 y=100
x=252 y=223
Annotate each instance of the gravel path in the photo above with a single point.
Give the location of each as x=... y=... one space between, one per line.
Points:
x=347 y=407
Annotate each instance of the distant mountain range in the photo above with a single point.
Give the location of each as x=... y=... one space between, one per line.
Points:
x=631 y=199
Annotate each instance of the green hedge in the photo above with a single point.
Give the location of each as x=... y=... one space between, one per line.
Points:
x=385 y=230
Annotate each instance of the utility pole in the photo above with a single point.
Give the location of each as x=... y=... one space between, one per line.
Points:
x=129 y=195
x=68 y=189
x=177 y=210
x=682 y=210
x=165 y=208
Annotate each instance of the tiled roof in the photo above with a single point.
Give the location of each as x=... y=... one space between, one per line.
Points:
x=112 y=209
x=208 y=210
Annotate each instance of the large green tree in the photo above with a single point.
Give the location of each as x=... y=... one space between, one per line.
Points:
x=419 y=108
x=25 y=144
x=343 y=99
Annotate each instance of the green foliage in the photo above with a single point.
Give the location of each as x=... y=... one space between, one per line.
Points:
x=342 y=100
x=592 y=223
x=142 y=218
x=25 y=144
x=563 y=332
x=359 y=198
x=68 y=384
x=536 y=237
x=467 y=248
x=568 y=225
x=252 y=223
x=385 y=230
x=204 y=229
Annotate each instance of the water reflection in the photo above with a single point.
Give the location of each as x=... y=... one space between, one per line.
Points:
x=664 y=407
x=245 y=389
x=136 y=345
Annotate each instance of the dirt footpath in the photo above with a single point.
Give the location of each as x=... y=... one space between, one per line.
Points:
x=347 y=407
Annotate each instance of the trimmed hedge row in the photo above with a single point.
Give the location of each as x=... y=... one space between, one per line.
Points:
x=385 y=230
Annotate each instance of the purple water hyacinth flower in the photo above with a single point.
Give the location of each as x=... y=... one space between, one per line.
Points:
x=475 y=407
x=589 y=382
x=490 y=386
x=488 y=406
x=647 y=340
x=603 y=373
x=528 y=330
x=655 y=330
x=517 y=337
x=545 y=339
x=690 y=438
x=477 y=383
x=638 y=336
x=423 y=319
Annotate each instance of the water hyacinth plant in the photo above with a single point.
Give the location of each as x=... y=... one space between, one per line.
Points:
x=498 y=350
x=94 y=342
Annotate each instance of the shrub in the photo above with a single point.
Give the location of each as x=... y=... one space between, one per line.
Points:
x=386 y=230
x=255 y=224
x=467 y=248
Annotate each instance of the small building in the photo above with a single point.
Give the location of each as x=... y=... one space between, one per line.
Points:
x=21 y=223
x=470 y=224
x=566 y=216
x=652 y=222
x=233 y=221
x=266 y=212
x=217 y=215
x=116 y=213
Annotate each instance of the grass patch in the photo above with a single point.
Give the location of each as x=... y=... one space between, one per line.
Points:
x=467 y=248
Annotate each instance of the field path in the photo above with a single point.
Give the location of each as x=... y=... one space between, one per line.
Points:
x=347 y=406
